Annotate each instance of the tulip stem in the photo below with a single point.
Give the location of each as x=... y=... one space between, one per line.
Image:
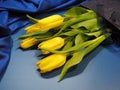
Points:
x=32 y=19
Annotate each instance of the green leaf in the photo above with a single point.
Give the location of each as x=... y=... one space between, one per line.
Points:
x=71 y=33
x=96 y=34
x=80 y=38
x=68 y=45
x=44 y=36
x=78 y=56
x=82 y=17
x=88 y=24
x=33 y=34
x=75 y=11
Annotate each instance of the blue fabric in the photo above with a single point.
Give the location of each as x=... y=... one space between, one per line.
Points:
x=12 y=17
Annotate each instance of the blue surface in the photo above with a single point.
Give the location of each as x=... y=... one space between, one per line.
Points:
x=100 y=70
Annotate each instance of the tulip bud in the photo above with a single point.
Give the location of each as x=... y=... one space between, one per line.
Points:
x=28 y=42
x=52 y=44
x=46 y=24
x=51 y=62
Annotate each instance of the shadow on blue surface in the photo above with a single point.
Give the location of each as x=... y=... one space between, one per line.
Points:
x=2 y=73
x=75 y=70
x=115 y=49
x=78 y=69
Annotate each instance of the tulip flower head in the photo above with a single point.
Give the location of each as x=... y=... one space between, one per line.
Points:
x=51 y=62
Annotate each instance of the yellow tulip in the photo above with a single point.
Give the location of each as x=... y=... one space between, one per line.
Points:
x=51 y=62
x=47 y=23
x=28 y=42
x=52 y=44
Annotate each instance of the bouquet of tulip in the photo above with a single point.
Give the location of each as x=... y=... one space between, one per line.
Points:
x=73 y=35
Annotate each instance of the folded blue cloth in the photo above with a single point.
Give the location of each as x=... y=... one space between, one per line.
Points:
x=12 y=17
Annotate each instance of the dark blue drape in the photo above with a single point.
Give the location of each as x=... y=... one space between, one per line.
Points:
x=12 y=17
